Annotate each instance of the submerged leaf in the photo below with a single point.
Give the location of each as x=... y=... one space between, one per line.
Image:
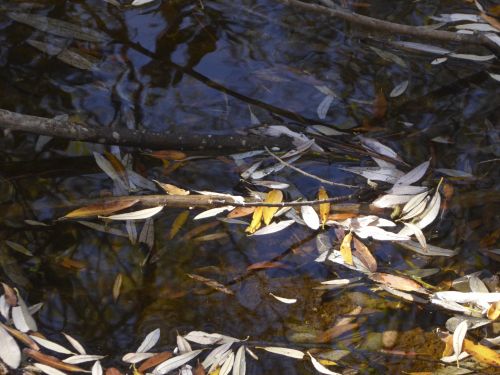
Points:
x=319 y=367
x=178 y=223
x=284 y=300
x=211 y=283
x=274 y=227
x=324 y=208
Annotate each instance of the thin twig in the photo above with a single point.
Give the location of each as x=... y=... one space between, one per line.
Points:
x=327 y=182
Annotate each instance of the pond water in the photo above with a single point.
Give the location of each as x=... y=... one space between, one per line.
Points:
x=202 y=66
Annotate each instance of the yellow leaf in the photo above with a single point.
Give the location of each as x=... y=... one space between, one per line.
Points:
x=256 y=221
x=327 y=362
x=494 y=311
x=274 y=196
x=215 y=372
x=324 y=208
x=345 y=249
x=482 y=353
x=117 y=286
x=172 y=189
x=179 y=221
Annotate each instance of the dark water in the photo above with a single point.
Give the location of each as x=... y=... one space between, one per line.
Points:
x=158 y=73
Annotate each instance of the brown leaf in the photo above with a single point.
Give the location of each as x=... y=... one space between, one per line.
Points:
x=240 y=212
x=200 y=229
x=341 y=216
x=172 y=189
x=113 y=371
x=482 y=353
x=199 y=370
x=379 y=105
x=70 y=263
x=274 y=196
x=169 y=154
x=364 y=255
x=397 y=282
x=21 y=336
x=10 y=295
x=491 y=20
x=345 y=249
x=265 y=265
x=324 y=208
x=211 y=283
x=117 y=166
x=102 y=209
x=154 y=361
x=51 y=361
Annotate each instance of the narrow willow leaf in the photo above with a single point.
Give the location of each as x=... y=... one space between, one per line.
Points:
x=274 y=196
x=364 y=255
x=147 y=235
x=476 y=285
x=431 y=212
x=423 y=47
x=51 y=361
x=154 y=361
x=389 y=175
x=390 y=200
x=204 y=338
x=175 y=362
x=310 y=217
x=406 y=190
x=431 y=249
x=172 y=189
x=472 y=297
x=287 y=352
x=149 y=341
x=9 y=350
x=108 y=168
x=136 y=357
x=324 y=106
x=345 y=249
x=397 y=282
x=102 y=209
x=178 y=223
x=212 y=212
x=216 y=354
x=414 y=175
x=135 y=215
x=469 y=57
x=117 y=285
x=48 y=370
x=274 y=227
x=324 y=130
x=320 y=368
x=454 y=173
x=103 y=228
x=183 y=345
x=403 y=295
x=22 y=317
x=459 y=336
x=272 y=184
x=439 y=60
x=256 y=221
x=415 y=201
x=76 y=59
x=372 y=144
x=51 y=345
x=82 y=358
x=97 y=368
x=418 y=233
x=132 y=231
x=284 y=300
x=399 y=89
x=240 y=365
x=137 y=3
x=324 y=208
x=227 y=365
x=379 y=234
x=75 y=344
x=19 y=248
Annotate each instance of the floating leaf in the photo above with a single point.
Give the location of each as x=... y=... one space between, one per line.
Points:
x=399 y=89
x=323 y=107
x=414 y=175
x=136 y=357
x=274 y=227
x=310 y=217
x=172 y=189
x=183 y=345
x=52 y=361
x=364 y=255
x=48 y=370
x=204 y=338
x=137 y=3
x=458 y=337
x=74 y=342
x=22 y=318
x=274 y=196
x=149 y=341
x=51 y=345
x=390 y=200
x=102 y=209
x=9 y=350
x=256 y=220
x=175 y=362
x=482 y=353
x=319 y=367
x=345 y=249
x=82 y=358
x=265 y=265
x=284 y=300
x=212 y=212
x=215 y=356
x=97 y=368
x=228 y=365
x=287 y=352
x=136 y=215
x=241 y=212
x=168 y=154
x=240 y=365
x=418 y=233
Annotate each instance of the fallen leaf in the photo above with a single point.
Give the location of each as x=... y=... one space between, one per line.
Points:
x=482 y=353
x=494 y=311
x=287 y=352
x=319 y=367
x=178 y=223
x=310 y=217
x=9 y=350
x=172 y=189
x=324 y=208
x=364 y=255
x=240 y=212
x=284 y=300
x=168 y=154
x=51 y=361
x=256 y=220
x=345 y=249
x=154 y=361
x=102 y=209
x=274 y=196
x=135 y=215
x=397 y=282
x=379 y=105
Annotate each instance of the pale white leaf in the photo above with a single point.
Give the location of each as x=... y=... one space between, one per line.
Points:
x=423 y=47
x=476 y=27
x=108 y=168
x=138 y=181
x=495 y=38
x=261 y=173
x=149 y=341
x=378 y=147
x=204 y=338
x=439 y=60
x=9 y=350
x=476 y=285
x=496 y=77
x=272 y=184
x=379 y=234
x=297 y=138
x=245 y=155
x=430 y=251
x=252 y=354
x=449 y=305
x=137 y=3
x=183 y=345
x=216 y=354
x=464 y=56
x=175 y=362
x=4 y=307
x=287 y=352
x=453 y=358
x=186 y=370
x=414 y=175
x=136 y=357
x=97 y=368
x=240 y=365
x=284 y=300
x=135 y=215
x=75 y=344
x=325 y=90
x=418 y=233
x=22 y=317
x=414 y=202
x=341 y=282
x=391 y=200
x=212 y=212
x=471 y=297
x=310 y=217
x=459 y=336
x=320 y=368
x=274 y=227
x=48 y=370
x=454 y=173
x=51 y=345
x=103 y=228
x=249 y=171
x=228 y=365
x=323 y=107
x=431 y=212
x=236 y=198
x=399 y=89
x=82 y=358
x=406 y=190
x=454 y=17
x=390 y=175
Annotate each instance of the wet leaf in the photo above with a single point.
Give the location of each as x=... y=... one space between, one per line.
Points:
x=482 y=353
x=109 y=168
x=390 y=200
x=284 y=300
x=431 y=250
x=256 y=221
x=323 y=107
x=51 y=345
x=274 y=227
x=216 y=355
x=265 y=265
x=178 y=223
x=135 y=215
x=493 y=312
x=147 y=235
x=418 y=233
x=97 y=368
x=19 y=248
x=459 y=336
x=103 y=228
x=9 y=350
x=240 y=212
x=336 y=331
x=82 y=358
x=319 y=367
x=212 y=212
x=227 y=365
x=136 y=357
x=379 y=105
x=51 y=361
x=137 y=3
x=287 y=352
x=75 y=343
x=21 y=336
x=274 y=196
x=310 y=217
x=117 y=285
x=48 y=370
x=204 y=338
x=168 y=154
x=149 y=341
x=364 y=255
x=399 y=89
x=172 y=189
x=414 y=175
x=324 y=208
x=183 y=345
x=175 y=362
x=102 y=209
x=211 y=283
x=397 y=282
x=154 y=361
x=390 y=175
x=10 y=295
x=22 y=318
x=240 y=365
x=345 y=249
